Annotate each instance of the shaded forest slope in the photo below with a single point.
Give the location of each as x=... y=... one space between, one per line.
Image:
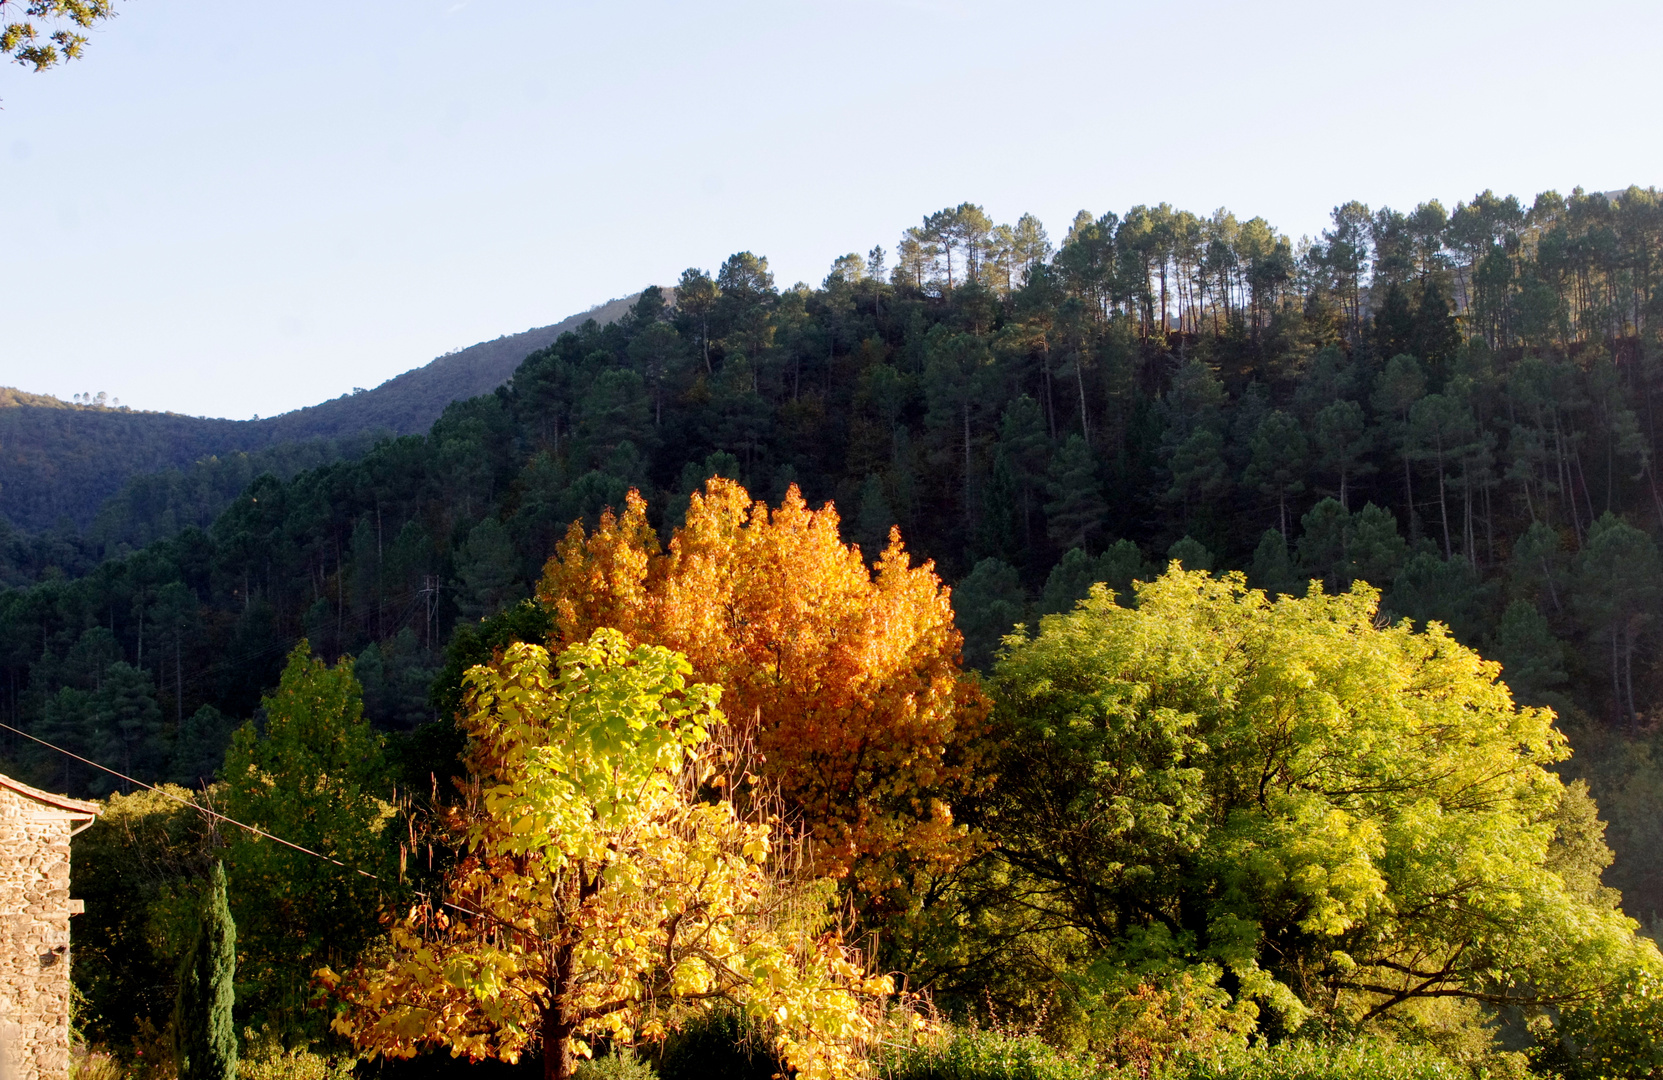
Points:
x=63 y=461
x=1460 y=408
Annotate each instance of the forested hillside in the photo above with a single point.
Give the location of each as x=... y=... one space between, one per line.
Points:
x=61 y=463
x=1458 y=407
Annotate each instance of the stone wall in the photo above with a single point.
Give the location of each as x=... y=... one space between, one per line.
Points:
x=34 y=929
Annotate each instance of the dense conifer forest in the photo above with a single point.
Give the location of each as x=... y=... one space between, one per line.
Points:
x=1455 y=406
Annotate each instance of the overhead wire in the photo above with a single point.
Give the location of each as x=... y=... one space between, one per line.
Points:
x=257 y=831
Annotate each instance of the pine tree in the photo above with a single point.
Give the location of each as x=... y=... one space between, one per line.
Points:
x=987 y=605
x=875 y=519
x=999 y=528
x=1278 y=464
x=204 y=1035
x=487 y=571
x=1532 y=658
x=1272 y=569
x=1190 y=553
x=1076 y=510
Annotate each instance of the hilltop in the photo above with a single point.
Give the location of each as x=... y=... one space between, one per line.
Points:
x=62 y=461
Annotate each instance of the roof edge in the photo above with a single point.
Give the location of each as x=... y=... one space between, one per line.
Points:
x=61 y=802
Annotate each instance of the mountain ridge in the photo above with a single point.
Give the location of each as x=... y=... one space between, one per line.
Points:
x=61 y=461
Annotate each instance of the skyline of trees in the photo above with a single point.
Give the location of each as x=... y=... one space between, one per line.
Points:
x=1030 y=422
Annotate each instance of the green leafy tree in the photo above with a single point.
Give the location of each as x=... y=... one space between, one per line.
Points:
x=875 y=518
x=118 y=723
x=199 y=746
x=396 y=674
x=1536 y=570
x=695 y=300
x=1199 y=470
x=999 y=526
x=1347 y=817
x=609 y=873
x=1612 y=1037
x=204 y=1031
x=1435 y=335
x=956 y=379
x=1324 y=545
x=1441 y=431
x=314 y=774
x=139 y=868
x=1070 y=581
x=745 y=296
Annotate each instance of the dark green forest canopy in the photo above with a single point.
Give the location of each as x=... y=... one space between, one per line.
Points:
x=89 y=479
x=1459 y=407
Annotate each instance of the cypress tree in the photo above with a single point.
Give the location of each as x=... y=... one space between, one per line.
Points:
x=204 y=1035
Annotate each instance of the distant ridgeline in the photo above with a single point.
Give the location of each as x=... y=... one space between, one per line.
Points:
x=1459 y=408
x=122 y=477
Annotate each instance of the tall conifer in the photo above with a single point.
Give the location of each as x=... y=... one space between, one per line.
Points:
x=204 y=1035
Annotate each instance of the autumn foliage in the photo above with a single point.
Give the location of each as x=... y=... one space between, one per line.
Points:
x=851 y=674
x=603 y=889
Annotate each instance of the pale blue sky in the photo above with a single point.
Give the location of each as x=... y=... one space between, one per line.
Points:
x=232 y=208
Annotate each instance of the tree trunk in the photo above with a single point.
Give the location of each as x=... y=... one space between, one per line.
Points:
x=1443 y=507
x=558 y=1021
x=1080 y=378
x=1628 y=676
x=1050 y=407
x=1616 y=684
x=967 y=520
x=558 y=1062
x=1408 y=488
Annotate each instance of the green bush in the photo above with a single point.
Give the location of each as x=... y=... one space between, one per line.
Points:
x=970 y=1054
x=1617 y=1038
x=1311 y=1061
x=264 y=1057
x=722 y=1044
x=618 y=1065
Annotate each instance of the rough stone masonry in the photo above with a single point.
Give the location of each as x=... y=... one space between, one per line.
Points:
x=35 y=827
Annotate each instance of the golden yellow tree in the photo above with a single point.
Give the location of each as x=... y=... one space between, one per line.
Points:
x=605 y=878
x=852 y=675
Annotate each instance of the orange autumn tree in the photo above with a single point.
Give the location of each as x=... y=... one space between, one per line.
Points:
x=864 y=717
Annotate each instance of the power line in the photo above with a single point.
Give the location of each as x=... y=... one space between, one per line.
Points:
x=257 y=831
x=192 y=803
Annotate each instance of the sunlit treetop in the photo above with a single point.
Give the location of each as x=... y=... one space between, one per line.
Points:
x=43 y=33
x=850 y=671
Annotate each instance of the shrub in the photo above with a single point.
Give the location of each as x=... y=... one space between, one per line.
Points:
x=87 y=1063
x=973 y=1054
x=1361 y=1060
x=1615 y=1038
x=619 y=1065
x=722 y=1044
x=265 y=1057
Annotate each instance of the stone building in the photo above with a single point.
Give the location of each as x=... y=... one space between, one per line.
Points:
x=35 y=827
